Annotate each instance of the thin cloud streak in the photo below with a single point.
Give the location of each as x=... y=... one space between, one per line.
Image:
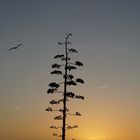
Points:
x=104 y=87
x=16 y=107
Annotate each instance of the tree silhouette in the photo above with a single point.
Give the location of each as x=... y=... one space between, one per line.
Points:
x=64 y=71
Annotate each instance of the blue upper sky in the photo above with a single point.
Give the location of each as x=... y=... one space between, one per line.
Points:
x=107 y=35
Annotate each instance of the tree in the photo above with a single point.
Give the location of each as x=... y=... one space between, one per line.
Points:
x=64 y=70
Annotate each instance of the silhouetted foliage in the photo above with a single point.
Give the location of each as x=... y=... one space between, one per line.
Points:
x=54 y=127
x=59 y=56
x=56 y=72
x=58 y=117
x=78 y=114
x=51 y=90
x=78 y=63
x=54 y=134
x=54 y=102
x=64 y=71
x=71 y=127
x=64 y=59
x=73 y=50
x=69 y=76
x=79 y=97
x=70 y=94
x=80 y=80
x=69 y=67
x=49 y=109
x=56 y=66
x=59 y=43
x=71 y=83
x=54 y=85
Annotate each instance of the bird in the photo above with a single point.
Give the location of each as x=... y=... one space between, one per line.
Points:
x=16 y=47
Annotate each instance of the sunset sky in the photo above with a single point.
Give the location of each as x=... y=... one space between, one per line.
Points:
x=107 y=35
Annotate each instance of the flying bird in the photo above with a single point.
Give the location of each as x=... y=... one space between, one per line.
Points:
x=16 y=47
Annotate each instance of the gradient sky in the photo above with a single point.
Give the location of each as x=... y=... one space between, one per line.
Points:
x=107 y=35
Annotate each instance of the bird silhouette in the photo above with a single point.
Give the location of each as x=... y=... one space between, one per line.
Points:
x=16 y=47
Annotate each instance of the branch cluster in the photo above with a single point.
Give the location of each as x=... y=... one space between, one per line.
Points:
x=64 y=70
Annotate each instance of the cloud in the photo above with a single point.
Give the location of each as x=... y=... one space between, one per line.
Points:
x=104 y=87
x=16 y=107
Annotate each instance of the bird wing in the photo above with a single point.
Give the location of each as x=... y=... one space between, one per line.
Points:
x=11 y=49
x=19 y=45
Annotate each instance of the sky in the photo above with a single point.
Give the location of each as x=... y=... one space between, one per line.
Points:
x=106 y=34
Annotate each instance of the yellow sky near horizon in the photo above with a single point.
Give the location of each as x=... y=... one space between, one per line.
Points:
x=107 y=37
